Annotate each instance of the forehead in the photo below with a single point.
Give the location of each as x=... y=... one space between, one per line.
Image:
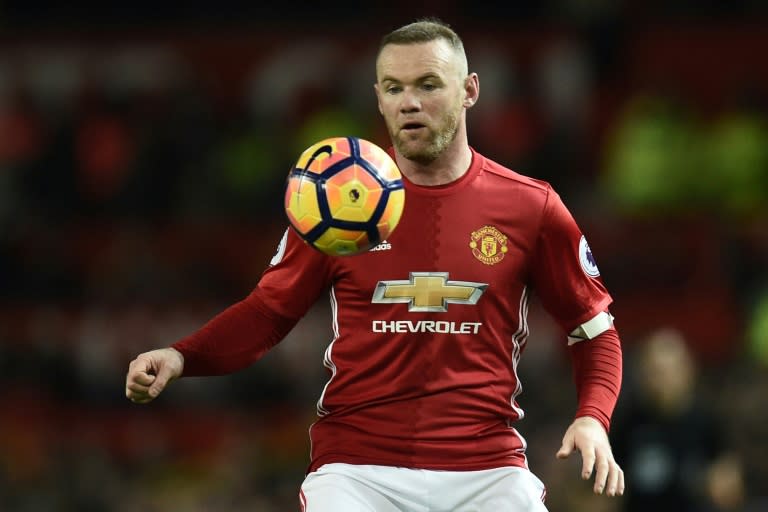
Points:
x=405 y=62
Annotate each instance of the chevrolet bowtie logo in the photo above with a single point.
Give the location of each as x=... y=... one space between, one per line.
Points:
x=428 y=291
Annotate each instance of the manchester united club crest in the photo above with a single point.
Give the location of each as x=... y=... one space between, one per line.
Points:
x=489 y=245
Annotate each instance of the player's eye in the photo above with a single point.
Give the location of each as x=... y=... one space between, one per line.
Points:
x=393 y=89
x=428 y=86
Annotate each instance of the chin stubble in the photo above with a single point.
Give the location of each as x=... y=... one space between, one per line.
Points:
x=436 y=146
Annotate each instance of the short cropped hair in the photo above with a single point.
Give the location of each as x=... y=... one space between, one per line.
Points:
x=423 y=31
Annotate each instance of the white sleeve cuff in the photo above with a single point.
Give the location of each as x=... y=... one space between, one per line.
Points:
x=591 y=328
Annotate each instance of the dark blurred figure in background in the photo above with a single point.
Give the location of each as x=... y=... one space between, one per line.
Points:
x=673 y=445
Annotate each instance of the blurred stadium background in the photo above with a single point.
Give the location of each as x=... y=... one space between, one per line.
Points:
x=143 y=149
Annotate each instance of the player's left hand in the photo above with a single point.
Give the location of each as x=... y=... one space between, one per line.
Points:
x=588 y=436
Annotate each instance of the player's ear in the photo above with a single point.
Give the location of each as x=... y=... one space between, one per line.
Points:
x=378 y=98
x=471 y=90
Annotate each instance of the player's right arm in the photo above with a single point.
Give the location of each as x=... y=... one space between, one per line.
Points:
x=243 y=332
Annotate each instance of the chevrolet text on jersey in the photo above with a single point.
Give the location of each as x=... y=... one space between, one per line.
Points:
x=426 y=326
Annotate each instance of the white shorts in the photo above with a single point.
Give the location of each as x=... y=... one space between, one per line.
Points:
x=367 y=488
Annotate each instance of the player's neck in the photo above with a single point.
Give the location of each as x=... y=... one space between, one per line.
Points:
x=447 y=168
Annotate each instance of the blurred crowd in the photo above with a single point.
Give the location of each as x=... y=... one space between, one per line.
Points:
x=141 y=182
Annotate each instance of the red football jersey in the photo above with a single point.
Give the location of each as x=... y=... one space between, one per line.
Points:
x=429 y=326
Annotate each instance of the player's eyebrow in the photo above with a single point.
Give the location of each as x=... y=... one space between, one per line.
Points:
x=422 y=78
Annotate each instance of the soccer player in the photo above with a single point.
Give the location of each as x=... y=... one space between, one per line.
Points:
x=419 y=412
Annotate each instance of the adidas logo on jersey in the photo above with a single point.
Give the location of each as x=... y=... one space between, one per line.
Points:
x=383 y=246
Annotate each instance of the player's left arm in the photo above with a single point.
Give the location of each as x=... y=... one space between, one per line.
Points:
x=567 y=279
x=597 y=373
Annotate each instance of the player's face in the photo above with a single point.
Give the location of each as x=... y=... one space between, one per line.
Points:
x=421 y=94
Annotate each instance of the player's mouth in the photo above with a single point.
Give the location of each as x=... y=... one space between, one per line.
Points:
x=412 y=127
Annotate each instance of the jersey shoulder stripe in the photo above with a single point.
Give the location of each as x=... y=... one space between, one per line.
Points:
x=506 y=179
x=507 y=174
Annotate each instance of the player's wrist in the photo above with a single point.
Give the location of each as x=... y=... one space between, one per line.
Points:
x=590 y=421
x=179 y=357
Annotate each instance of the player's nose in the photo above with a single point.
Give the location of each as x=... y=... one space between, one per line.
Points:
x=409 y=102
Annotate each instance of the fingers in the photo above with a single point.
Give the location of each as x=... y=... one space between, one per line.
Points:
x=587 y=462
x=140 y=394
x=609 y=477
x=567 y=447
x=160 y=381
x=142 y=378
x=588 y=437
x=615 y=483
x=151 y=372
x=601 y=475
x=137 y=386
x=140 y=381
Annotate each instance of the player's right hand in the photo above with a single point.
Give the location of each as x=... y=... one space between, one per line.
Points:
x=150 y=372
